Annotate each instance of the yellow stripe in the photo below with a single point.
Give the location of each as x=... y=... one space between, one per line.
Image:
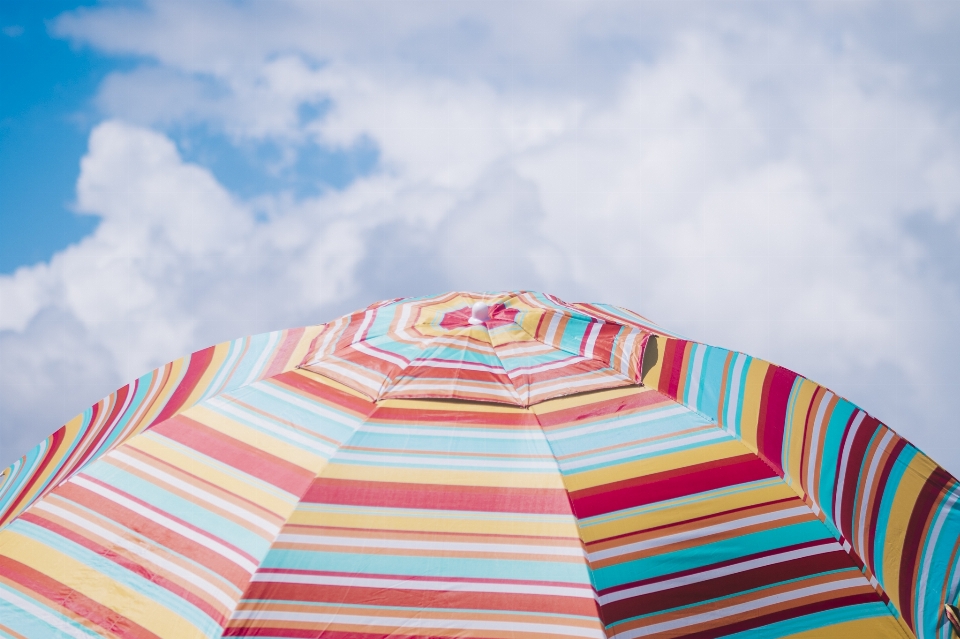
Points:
x=649 y=466
x=874 y=627
x=492 y=525
x=129 y=603
x=684 y=509
x=752 y=394
x=261 y=441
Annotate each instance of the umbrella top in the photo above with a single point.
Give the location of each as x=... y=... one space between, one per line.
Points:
x=517 y=348
x=295 y=484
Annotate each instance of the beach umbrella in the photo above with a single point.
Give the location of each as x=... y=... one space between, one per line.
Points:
x=476 y=465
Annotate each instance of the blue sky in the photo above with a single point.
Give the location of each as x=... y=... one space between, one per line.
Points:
x=778 y=178
x=45 y=118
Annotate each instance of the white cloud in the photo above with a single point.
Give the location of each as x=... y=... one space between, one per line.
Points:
x=748 y=184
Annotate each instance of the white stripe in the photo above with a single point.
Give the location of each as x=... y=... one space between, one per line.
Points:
x=332 y=331
x=46 y=617
x=261 y=361
x=844 y=462
x=358 y=581
x=930 y=546
x=552 y=328
x=168 y=523
x=367 y=320
x=403 y=458
x=868 y=489
x=715 y=573
x=540 y=389
x=419 y=621
x=144 y=553
x=733 y=397
x=469 y=366
x=366 y=542
x=647 y=416
x=289 y=397
x=350 y=373
x=540 y=368
x=697 y=534
x=815 y=448
x=230 y=408
x=645 y=449
x=748 y=606
x=196 y=491
x=626 y=351
x=380 y=354
x=592 y=339
x=694 y=386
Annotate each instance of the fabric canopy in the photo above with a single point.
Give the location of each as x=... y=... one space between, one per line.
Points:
x=559 y=470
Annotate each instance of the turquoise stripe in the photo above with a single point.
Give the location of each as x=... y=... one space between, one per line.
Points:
x=118 y=573
x=179 y=508
x=830 y=455
x=423 y=566
x=402 y=444
x=678 y=446
x=27 y=625
x=712 y=373
x=709 y=554
x=626 y=429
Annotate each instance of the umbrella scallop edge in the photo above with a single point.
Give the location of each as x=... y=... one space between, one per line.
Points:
x=233 y=493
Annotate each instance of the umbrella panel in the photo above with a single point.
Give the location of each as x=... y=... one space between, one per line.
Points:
x=297 y=508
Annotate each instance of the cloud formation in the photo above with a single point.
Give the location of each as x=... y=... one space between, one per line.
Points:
x=736 y=176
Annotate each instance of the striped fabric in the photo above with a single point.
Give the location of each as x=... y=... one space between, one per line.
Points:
x=533 y=348
x=236 y=494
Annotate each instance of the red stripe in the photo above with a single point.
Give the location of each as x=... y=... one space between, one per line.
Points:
x=199 y=362
x=851 y=480
x=358 y=595
x=676 y=349
x=76 y=602
x=160 y=535
x=242 y=456
x=314 y=633
x=452 y=375
x=727 y=585
x=291 y=339
x=777 y=384
x=669 y=484
x=325 y=393
x=106 y=428
x=55 y=440
x=623 y=406
x=783 y=614
x=437 y=497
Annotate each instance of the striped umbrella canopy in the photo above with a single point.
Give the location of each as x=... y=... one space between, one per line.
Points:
x=476 y=465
